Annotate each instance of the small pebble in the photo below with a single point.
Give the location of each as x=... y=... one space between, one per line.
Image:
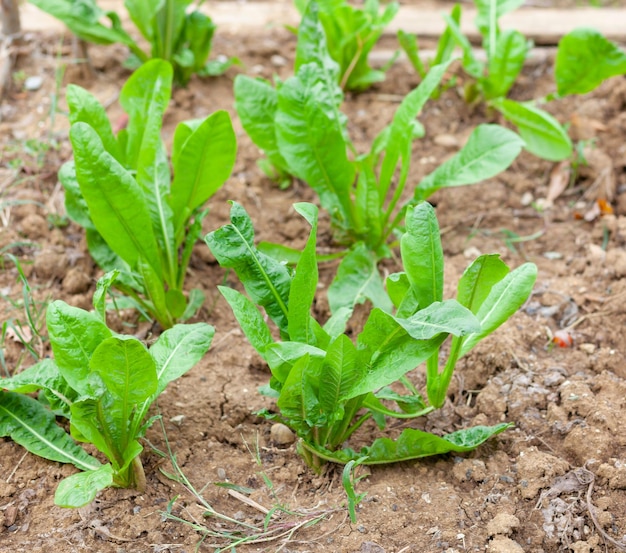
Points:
x=33 y=83
x=177 y=419
x=278 y=61
x=446 y=140
x=281 y=435
x=587 y=348
x=221 y=473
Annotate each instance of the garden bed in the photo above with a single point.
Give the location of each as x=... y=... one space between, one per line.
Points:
x=556 y=482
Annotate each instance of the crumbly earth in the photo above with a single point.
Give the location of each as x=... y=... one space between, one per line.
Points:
x=556 y=482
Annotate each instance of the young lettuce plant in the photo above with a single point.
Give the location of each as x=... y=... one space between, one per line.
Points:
x=326 y=385
x=104 y=384
x=299 y=126
x=175 y=33
x=137 y=218
x=351 y=33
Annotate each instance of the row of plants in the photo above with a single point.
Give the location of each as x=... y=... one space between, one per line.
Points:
x=143 y=210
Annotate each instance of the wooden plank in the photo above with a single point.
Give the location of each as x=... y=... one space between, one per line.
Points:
x=544 y=26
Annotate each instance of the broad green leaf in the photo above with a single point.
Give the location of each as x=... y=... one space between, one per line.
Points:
x=543 y=135
x=504 y=67
x=249 y=318
x=489 y=150
x=266 y=280
x=117 y=205
x=312 y=47
x=176 y=302
x=584 y=59
x=338 y=321
x=82 y=18
x=256 y=102
x=422 y=254
x=358 y=280
x=145 y=97
x=75 y=204
x=97 y=422
x=386 y=352
x=282 y=356
x=80 y=489
x=143 y=13
x=338 y=376
x=28 y=423
x=127 y=370
x=304 y=283
x=312 y=142
x=298 y=401
x=448 y=316
x=414 y=444
x=74 y=335
x=178 y=349
x=398 y=286
x=205 y=162
x=44 y=376
x=86 y=108
x=478 y=280
x=504 y=299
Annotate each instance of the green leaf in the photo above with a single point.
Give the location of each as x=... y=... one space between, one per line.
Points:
x=145 y=97
x=311 y=140
x=505 y=66
x=544 y=136
x=117 y=206
x=82 y=18
x=80 y=489
x=282 y=356
x=397 y=143
x=484 y=7
x=357 y=280
x=448 y=316
x=75 y=204
x=74 y=335
x=178 y=349
x=28 y=423
x=504 y=299
x=408 y=43
x=127 y=370
x=266 y=280
x=256 y=102
x=205 y=162
x=386 y=352
x=338 y=375
x=415 y=444
x=298 y=400
x=44 y=376
x=249 y=318
x=422 y=254
x=104 y=284
x=85 y=107
x=584 y=59
x=478 y=280
x=489 y=150
x=304 y=283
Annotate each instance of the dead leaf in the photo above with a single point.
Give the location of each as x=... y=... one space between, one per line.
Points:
x=559 y=179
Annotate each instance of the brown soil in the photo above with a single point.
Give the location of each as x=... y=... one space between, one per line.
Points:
x=557 y=482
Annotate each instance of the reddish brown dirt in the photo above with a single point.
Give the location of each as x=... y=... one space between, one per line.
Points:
x=547 y=486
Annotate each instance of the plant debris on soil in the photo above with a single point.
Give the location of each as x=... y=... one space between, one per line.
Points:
x=556 y=482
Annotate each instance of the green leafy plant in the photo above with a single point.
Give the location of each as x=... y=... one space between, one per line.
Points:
x=326 y=385
x=104 y=384
x=174 y=32
x=137 y=218
x=351 y=33
x=300 y=128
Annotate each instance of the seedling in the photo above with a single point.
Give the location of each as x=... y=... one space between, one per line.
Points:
x=299 y=126
x=137 y=218
x=175 y=33
x=326 y=386
x=104 y=384
x=351 y=33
